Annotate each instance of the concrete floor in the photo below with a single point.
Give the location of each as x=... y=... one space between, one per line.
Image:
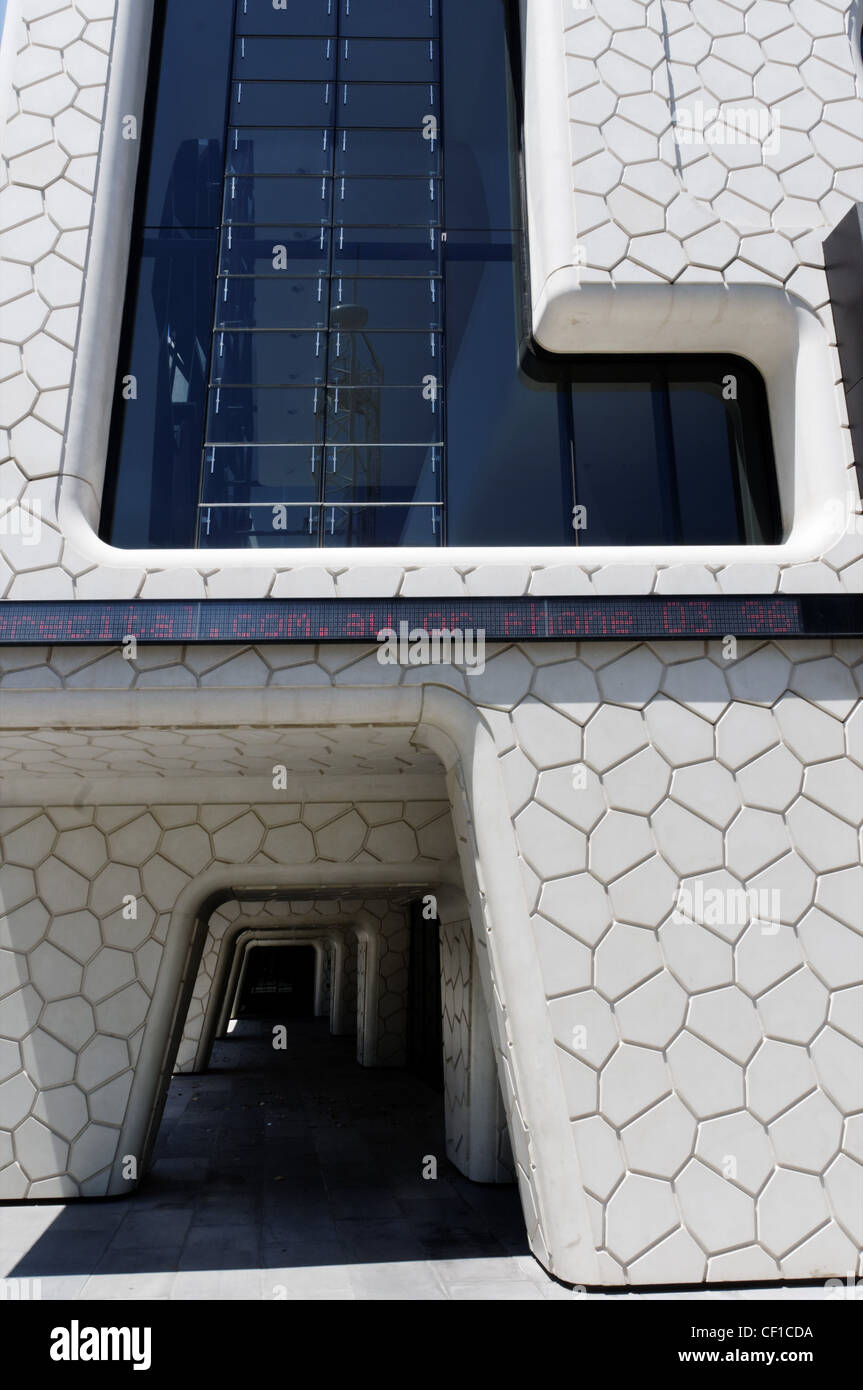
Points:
x=291 y=1175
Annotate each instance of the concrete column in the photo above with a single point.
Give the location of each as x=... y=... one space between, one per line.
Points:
x=322 y=991
x=484 y=1098
x=472 y=1104
x=349 y=981
x=241 y=980
x=338 y=1011
x=368 y=988
x=230 y=990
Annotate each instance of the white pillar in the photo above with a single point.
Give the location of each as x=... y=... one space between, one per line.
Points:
x=237 y=957
x=472 y=1108
x=368 y=987
x=321 y=982
x=485 y=1105
x=241 y=980
x=337 y=984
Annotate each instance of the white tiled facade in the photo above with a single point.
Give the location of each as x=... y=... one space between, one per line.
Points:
x=683 y=1092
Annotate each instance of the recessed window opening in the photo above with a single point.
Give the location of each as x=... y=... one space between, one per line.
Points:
x=326 y=337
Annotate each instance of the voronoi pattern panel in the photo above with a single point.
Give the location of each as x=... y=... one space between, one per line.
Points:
x=393 y=1000
x=455 y=964
x=714 y=139
x=690 y=850
x=77 y=972
x=51 y=141
x=244 y=753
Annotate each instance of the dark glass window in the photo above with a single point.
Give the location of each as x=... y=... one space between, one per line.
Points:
x=312 y=17
x=186 y=135
x=325 y=339
x=156 y=485
x=671 y=450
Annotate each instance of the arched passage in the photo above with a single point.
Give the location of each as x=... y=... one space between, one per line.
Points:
x=279 y=982
x=359 y=847
x=371 y=935
x=471 y=1118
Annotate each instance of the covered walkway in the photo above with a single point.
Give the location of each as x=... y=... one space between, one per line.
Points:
x=287 y=1174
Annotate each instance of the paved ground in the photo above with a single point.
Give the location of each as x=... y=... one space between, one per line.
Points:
x=297 y=1175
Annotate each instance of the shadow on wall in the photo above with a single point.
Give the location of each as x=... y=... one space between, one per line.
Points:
x=855 y=34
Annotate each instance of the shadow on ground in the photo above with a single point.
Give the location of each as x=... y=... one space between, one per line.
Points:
x=285 y=1159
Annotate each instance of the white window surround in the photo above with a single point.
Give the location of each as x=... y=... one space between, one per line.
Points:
x=782 y=334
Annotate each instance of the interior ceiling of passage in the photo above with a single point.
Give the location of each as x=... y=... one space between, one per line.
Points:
x=240 y=752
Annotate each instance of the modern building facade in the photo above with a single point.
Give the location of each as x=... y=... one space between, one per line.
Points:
x=332 y=326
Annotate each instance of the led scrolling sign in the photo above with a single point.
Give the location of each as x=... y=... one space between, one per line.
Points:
x=499 y=619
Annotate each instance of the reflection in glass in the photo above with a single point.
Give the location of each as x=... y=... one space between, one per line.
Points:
x=268 y=359
x=402 y=359
x=268 y=151
x=661 y=456
x=402 y=304
x=708 y=462
x=393 y=152
x=276 y=301
x=375 y=60
x=508 y=476
x=384 y=251
x=267 y=527
x=282 y=103
x=385 y=18
x=381 y=415
x=394 y=473
x=329 y=335
x=156 y=434
x=310 y=17
x=387 y=201
x=285 y=59
x=381 y=526
x=481 y=119
x=259 y=474
x=297 y=251
x=620 y=465
x=327 y=370
x=187 y=130
x=265 y=415
x=386 y=104
x=267 y=200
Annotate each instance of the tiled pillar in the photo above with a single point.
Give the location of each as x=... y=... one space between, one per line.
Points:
x=472 y=1101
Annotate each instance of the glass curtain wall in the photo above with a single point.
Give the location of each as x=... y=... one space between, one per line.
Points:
x=325 y=407
x=326 y=340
